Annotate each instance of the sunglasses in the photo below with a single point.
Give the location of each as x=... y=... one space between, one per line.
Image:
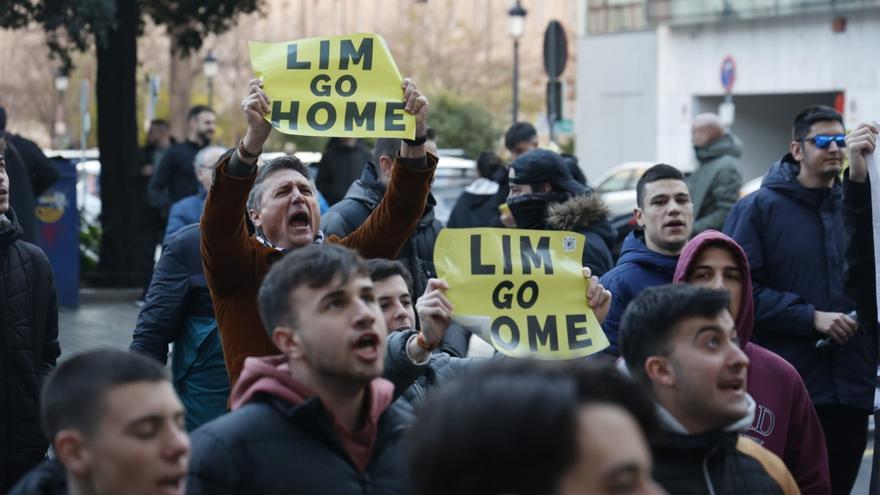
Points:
x=823 y=141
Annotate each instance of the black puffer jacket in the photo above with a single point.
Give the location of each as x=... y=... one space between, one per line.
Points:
x=28 y=349
x=717 y=462
x=361 y=199
x=586 y=215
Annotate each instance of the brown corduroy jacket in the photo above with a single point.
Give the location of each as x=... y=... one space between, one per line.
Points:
x=235 y=262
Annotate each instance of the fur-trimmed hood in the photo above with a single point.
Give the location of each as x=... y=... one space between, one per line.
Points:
x=578 y=212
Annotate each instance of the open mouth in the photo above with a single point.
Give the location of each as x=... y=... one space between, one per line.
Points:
x=172 y=484
x=673 y=224
x=733 y=385
x=366 y=346
x=299 y=220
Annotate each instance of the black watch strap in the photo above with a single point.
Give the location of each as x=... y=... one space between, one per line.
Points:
x=417 y=141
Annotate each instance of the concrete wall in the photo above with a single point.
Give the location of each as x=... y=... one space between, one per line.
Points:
x=783 y=64
x=617 y=100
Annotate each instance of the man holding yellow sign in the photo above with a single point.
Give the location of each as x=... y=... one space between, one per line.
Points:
x=283 y=206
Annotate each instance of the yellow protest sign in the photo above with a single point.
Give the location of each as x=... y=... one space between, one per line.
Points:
x=523 y=291
x=336 y=86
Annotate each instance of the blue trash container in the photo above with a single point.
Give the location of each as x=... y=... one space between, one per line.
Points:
x=58 y=222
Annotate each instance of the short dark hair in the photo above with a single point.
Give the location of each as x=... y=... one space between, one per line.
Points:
x=283 y=162
x=2 y=119
x=314 y=266
x=386 y=147
x=649 y=322
x=809 y=116
x=196 y=110
x=487 y=164
x=159 y=123
x=381 y=269
x=73 y=395
x=659 y=171
x=517 y=133
x=511 y=426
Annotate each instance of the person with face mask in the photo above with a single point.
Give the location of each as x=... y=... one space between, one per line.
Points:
x=715 y=184
x=544 y=196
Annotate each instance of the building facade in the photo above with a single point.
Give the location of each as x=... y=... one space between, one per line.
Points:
x=646 y=67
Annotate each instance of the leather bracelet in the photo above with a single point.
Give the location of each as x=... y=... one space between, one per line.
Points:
x=417 y=141
x=245 y=153
x=420 y=341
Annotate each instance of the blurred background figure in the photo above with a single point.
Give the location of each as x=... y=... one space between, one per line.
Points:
x=478 y=204
x=341 y=164
x=529 y=427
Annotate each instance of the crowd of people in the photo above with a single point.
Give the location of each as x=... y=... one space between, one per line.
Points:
x=319 y=353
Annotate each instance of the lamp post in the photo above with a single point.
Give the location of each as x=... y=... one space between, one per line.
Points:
x=210 y=68
x=516 y=20
x=61 y=83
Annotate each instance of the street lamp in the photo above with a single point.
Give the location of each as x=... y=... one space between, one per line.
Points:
x=210 y=67
x=516 y=23
x=61 y=83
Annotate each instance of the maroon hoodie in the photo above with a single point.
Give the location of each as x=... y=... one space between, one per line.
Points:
x=785 y=420
x=271 y=375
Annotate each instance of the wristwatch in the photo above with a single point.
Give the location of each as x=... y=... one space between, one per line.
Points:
x=244 y=152
x=417 y=141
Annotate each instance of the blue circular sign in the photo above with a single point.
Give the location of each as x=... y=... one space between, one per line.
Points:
x=728 y=73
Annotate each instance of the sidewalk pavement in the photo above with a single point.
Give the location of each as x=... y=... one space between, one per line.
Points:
x=105 y=318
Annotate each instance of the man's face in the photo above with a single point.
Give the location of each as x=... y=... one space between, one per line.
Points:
x=523 y=147
x=707 y=373
x=158 y=135
x=141 y=446
x=519 y=190
x=816 y=162
x=4 y=186
x=288 y=213
x=203 y=126
x=395 y=303
x=205 y=170
x=717 y=268
x=667 y=216
x=340 y=330
x=613 y=455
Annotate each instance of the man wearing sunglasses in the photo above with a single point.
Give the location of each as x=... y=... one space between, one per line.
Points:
x=792 y=229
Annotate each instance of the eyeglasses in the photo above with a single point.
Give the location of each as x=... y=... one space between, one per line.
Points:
x=823 y=141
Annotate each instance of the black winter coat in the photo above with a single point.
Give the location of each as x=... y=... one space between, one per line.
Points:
x=49 y=478
x=175 y=177
x=796 y=241
x=30 y=174
x=688 y=464
x=270 y=447
x=477 y=206
x=28 y=349
x=586 y=215
x=362 y=198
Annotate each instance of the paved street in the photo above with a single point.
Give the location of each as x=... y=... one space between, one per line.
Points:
x=106 y=317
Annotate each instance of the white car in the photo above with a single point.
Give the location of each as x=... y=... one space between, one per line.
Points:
x=617 y=187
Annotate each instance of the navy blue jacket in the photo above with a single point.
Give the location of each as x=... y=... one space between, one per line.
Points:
x=795 y=240
x=178 y=309
x=637 y=269
x=185 y=212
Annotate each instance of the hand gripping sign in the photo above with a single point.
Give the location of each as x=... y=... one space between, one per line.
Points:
x=346 y=86
x=523 y=291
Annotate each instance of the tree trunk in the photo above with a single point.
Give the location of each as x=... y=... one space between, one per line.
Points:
x=117 y=143
x=180 y=82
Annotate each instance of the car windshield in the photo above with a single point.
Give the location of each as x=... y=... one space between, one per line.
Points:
x=616 y=182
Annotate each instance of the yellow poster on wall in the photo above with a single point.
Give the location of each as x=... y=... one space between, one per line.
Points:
x=346 y=86
x=523 y=291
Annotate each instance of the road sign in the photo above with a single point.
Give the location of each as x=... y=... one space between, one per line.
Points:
x=728 y=73
x=555 y=50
